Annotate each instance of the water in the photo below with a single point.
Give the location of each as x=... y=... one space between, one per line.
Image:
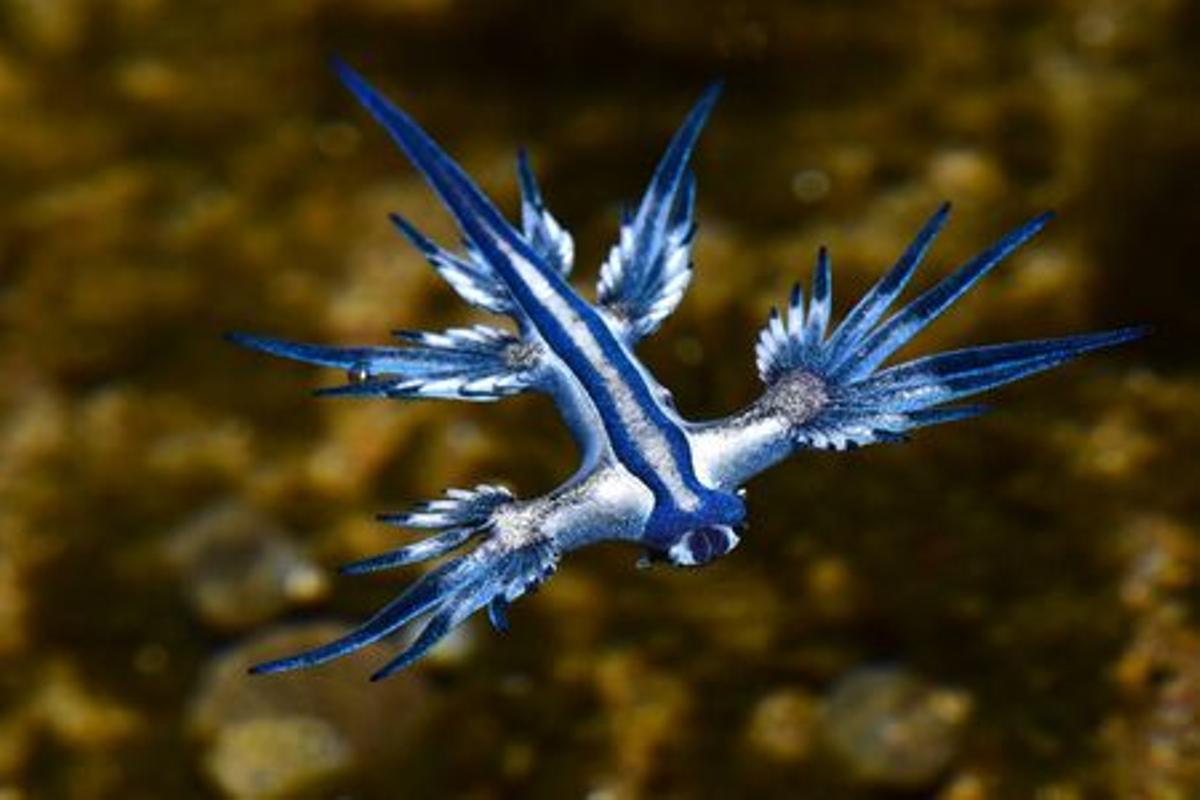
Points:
x=174 y=171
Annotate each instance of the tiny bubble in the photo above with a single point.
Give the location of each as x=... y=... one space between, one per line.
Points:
x=810 y=185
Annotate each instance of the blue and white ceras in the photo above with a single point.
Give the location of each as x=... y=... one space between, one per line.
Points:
x=648 y=476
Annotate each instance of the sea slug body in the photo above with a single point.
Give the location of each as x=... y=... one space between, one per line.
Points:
x=648 y=476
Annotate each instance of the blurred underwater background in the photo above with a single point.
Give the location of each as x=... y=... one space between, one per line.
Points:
x=1004 y=608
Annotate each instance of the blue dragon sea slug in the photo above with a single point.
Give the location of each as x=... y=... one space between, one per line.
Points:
x=648 y=476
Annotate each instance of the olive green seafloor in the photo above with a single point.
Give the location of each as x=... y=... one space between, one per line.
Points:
x=999 y=609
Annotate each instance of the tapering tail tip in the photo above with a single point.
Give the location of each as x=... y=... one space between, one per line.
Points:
x=711 y=93
x=241 y=339
x=366 y=94
x=266 y=668
x=346 y=73
x=1125 y=335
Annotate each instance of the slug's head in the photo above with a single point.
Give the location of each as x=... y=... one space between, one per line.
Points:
x=700 y=535
x=702 y=545
x=716 y=536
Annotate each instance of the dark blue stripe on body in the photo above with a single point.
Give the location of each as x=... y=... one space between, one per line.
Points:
x=625 y=445
x=485 y=227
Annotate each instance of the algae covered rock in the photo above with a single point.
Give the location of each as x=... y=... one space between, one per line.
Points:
x=277 y=756
x=892 y=728
x=239 y=568
x=284 y=735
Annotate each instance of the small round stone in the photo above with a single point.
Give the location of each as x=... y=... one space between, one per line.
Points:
x=891 y=728
x=277 y=756
x=810 y=185
x=782 y=725
x=238 y=567
x=282 y=735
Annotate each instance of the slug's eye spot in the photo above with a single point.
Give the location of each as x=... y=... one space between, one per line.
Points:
x=698 y=547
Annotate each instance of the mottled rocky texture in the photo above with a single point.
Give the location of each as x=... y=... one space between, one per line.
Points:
x=169 y=171
x=783 y=725
x=291 y=736
x=1156 y=742
x=891 y=728
x=283 y=756
x=239 y=568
